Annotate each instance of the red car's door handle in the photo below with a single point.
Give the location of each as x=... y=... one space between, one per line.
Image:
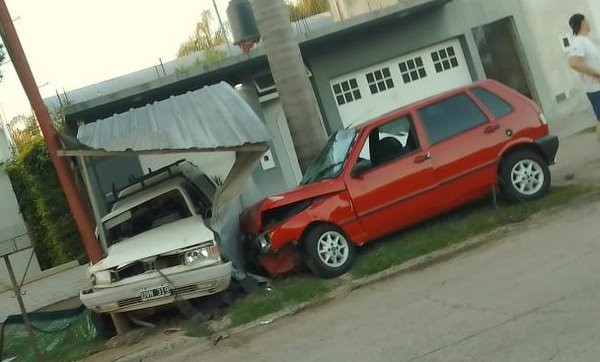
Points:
x=423 y=158
x=492 y=129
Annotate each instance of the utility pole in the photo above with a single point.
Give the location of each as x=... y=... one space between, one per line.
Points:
x=62 y=166
x=17 y=290
x=221 y=25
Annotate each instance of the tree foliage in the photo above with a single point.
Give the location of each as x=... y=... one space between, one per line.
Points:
x=23 y=130
x=210 y=56
x=43 y=205
x=204 y=37
x=306 y=8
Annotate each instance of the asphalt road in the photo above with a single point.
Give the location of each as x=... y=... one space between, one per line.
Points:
x=531 y=295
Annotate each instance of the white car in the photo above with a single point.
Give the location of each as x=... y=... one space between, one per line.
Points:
x=159 y=247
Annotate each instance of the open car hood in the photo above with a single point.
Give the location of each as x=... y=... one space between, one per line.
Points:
x=251 y=218
x=170 y=237
x=303 y=192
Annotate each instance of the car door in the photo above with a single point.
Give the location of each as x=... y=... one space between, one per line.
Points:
x=509 y=121
x=462 y=150
x=393 y=183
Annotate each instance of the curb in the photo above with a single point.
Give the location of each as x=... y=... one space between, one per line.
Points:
x=165 y=349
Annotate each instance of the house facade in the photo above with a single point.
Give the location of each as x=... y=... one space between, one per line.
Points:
x=364 y=59
x=544 y=44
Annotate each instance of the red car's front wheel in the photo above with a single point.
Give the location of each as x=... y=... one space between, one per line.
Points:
x=329 y=252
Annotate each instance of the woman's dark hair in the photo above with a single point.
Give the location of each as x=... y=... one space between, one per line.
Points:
x=575 y=23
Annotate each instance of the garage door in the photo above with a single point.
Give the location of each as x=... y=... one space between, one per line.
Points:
x=376 y=90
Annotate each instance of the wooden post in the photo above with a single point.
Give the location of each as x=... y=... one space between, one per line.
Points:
x=121 y=323
x=17 y=291
x=62 y=166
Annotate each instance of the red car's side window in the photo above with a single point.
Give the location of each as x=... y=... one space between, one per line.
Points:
x=450 y=117
x=389 y=142
x=496 y=105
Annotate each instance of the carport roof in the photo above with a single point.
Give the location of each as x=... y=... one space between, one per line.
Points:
x=213 y=118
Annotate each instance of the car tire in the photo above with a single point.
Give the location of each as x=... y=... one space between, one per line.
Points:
x=524 y=176
x=329 y=252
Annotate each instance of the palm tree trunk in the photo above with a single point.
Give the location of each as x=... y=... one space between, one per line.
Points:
x=295 y=90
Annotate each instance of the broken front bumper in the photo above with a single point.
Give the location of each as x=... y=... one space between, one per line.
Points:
x=184 y=282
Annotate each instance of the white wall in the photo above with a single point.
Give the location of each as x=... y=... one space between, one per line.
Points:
x=4 y=144
x=11 y=223
x=49 y=287
x=12 y=229
x=548 y=22
x=19 y=263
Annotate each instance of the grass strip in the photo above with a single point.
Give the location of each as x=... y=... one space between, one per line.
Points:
x=587 y=130
x=283 y=294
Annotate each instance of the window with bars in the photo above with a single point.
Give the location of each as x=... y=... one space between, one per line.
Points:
x=346 y=91
x=380 y=80
x=444 y=59
x=412 y=70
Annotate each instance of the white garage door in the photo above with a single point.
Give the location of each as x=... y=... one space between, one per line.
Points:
x=376 y=90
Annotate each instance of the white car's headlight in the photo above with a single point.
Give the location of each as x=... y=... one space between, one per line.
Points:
x=102 y=277
x=201 y=254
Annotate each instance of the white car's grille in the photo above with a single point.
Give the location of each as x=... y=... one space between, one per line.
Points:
x=141 y=267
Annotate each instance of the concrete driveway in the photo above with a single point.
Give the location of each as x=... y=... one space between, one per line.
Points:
x=532 y=295
x=578 y=154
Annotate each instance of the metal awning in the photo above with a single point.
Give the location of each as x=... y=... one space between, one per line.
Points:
x=214 y=118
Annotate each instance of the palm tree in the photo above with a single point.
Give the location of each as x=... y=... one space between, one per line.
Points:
x=295 y=90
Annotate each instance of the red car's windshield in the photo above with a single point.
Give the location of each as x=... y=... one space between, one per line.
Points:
x=330 y=162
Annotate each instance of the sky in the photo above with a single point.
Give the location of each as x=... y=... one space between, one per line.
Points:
x=73 y=43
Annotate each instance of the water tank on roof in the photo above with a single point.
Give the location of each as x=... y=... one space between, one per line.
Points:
x=242 y=22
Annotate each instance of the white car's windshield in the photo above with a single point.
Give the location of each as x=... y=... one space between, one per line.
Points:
x=163 y=209
x=330 y=162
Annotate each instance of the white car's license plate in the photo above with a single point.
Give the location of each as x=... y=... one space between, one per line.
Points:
x=155 y=292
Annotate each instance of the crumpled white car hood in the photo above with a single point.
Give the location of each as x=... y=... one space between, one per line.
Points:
x=169 y=237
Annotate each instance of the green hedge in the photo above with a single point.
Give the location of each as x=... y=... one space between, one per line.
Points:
x=43 y=205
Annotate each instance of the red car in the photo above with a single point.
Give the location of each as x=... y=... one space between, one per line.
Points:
x=400 y=169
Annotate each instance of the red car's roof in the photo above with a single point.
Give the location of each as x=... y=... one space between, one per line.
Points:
x=387 y=116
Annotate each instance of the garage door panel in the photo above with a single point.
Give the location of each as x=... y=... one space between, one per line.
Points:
x=381 y=88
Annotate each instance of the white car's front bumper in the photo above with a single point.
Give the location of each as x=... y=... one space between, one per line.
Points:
x=184 y=282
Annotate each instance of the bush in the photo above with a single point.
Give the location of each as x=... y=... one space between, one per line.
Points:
x=44 y=206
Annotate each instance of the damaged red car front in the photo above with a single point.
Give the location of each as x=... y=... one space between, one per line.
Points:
x=278 y=227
